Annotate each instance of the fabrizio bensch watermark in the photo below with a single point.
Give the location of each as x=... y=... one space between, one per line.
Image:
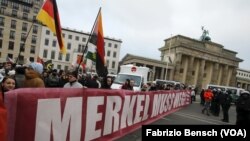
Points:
x=194 y=131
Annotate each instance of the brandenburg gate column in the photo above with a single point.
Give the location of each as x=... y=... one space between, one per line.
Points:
x=201 y=73
x=232 y=81
x=210 y=72
x=171 y=74
x=185 y=69
x=177 y=67
x=153 y=74
x=225 y=75
x=196 y=70
x=220 y=75
x=189 y=78
x=162 y=73
x=229 y=76
x=215 y=73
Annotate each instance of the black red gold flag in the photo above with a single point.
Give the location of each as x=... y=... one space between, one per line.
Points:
x=49 y=16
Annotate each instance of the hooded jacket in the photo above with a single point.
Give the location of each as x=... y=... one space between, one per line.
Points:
x=33 y=79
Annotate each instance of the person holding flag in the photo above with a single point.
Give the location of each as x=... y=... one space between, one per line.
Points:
x=49 y=16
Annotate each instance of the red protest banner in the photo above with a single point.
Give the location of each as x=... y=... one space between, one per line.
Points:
x=85 y=114
x=3 y=119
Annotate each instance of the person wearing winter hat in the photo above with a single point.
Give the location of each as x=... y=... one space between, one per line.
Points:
x=33 y=78
x=37 y=67
x=73 y=80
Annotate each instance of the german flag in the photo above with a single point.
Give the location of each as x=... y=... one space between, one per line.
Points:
x=97 y=39
x=49 y=16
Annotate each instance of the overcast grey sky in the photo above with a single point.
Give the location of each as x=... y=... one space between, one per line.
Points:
x=143 y=25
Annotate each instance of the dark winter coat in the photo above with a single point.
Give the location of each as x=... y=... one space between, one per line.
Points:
x=243 y=110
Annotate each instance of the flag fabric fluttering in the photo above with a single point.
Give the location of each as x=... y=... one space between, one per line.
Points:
x=49 y=16
x=79 y=59
x=80 y=62
x=97 y=38
x=91 y=55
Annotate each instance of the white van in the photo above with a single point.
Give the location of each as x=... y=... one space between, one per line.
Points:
x=211 y=87
x=138 y=74
x=235 y=92
x=162 y=82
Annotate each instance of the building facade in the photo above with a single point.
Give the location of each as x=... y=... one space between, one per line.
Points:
x=17 y=19
x=243 y=79
x=75 y=42
x=194 y=62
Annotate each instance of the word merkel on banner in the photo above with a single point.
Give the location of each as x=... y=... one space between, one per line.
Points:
x=86 y=114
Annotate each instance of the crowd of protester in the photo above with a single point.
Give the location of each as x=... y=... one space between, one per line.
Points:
x=34 y=75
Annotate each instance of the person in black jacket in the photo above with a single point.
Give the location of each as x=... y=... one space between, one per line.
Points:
x=91 y=82
x=107 y=82
x=215 y=105
x=243 y=109
x=225 y=105
x=202 y=102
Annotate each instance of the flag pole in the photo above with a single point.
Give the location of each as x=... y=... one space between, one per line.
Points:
x=86 y=46
x=168 y=57
x=22 y=47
